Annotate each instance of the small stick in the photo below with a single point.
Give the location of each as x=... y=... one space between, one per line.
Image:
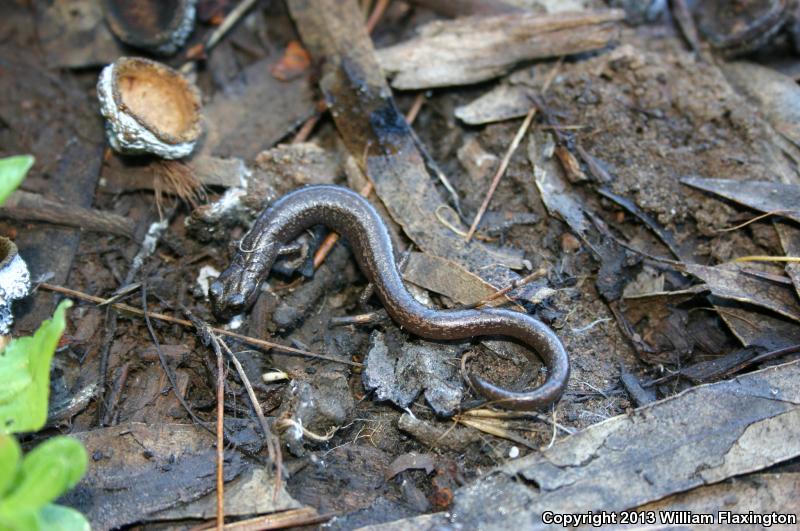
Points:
x=757 y=218
x=685 y=21
x=26 y=206
x=759 y=258
x=415 y=108
x=105 y=353
x=501 y=170
x=291 y=518
x=305 y=130
x=273 y=445
x=377 y=13
x=230 y=20
x=308 y=126
x=514 y=285
x=363 y=319
x=491 y=413
x=162 y=359
x=188 y=324
x=496 y=430
x=116 y=393
x=220 y=439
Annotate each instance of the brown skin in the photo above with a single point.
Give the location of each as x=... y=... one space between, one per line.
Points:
x=350 y=215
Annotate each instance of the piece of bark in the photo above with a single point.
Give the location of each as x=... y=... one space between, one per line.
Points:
x=702 y=436
x=249 y=494
x=25 y=206
x=53 y=119
x=503 y=102
x=138 y=470
x=633 y=386
x=760 y=493
x=475 y=49
x=378 y=137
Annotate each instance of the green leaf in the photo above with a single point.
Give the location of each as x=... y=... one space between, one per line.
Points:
x=51 y=517
x=25 y=364
x=59 y=518
x=27 y=521
x=47 y=472
x=12 y=172
x=10 y=454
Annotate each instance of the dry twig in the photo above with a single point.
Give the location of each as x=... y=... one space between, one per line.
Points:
x=501 y=170
x=188 y=324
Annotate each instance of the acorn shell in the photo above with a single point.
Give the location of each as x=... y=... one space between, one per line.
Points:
x=15 y=281
x=741 y=26
x=159 y=26
x=149 y=108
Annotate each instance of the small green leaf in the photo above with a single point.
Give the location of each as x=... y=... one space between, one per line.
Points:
x=17 y=521
x=12 y=172
x=59 y=518
x=51 y=517
x=26 y=409
x=10 y=454
x=47 y=472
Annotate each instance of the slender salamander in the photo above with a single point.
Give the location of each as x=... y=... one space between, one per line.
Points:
x=349 y=214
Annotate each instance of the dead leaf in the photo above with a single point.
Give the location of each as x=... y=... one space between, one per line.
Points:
x=728 y=282
x=411 y=461
x=760 y=195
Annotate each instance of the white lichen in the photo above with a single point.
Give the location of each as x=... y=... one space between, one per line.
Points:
x=206 y=274
x=15 y=282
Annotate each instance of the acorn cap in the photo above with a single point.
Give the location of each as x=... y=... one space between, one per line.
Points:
x=740 y=26
x=159 y=26
x=15 y=281
x=149 y=108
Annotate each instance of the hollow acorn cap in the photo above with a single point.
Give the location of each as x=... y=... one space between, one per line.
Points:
x=149 y=108
x=15 y=281
x=159 y=26
x=735 y=28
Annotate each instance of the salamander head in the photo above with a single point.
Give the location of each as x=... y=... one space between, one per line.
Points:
x=234 y=291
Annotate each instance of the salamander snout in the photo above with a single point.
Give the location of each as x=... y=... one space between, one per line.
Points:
x=225 y=304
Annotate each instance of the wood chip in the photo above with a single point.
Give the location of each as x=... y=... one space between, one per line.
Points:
x=378 y=137
x=474 y=49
